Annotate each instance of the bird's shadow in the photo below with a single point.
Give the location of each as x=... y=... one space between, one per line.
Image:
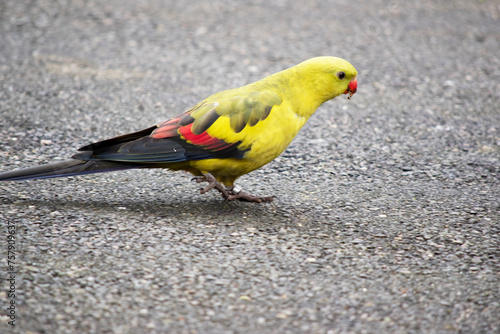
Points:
x=211 y=208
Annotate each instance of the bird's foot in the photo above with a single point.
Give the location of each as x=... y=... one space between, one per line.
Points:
x=236 y=193
x=229 y=193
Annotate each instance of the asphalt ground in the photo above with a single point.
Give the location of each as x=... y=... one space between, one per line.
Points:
x=388 y=205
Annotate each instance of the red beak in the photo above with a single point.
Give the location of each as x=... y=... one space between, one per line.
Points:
x=351 y=88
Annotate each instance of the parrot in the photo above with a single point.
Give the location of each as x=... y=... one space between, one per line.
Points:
x=225 y=136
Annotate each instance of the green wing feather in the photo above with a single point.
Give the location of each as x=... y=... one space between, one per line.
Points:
x=242 y=110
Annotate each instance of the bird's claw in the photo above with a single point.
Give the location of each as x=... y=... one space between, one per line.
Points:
x=230 y=193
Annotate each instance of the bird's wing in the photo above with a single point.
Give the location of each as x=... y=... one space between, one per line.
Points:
x=185 y=137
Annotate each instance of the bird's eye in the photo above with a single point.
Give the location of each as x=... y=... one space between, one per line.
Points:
x=341 y=75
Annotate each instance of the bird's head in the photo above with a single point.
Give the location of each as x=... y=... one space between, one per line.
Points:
x=328 y=77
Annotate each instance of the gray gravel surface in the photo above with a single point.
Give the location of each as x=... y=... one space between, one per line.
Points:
x=387 y=212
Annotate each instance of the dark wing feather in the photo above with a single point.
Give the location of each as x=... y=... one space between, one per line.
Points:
x=167 y=142
x=204 y=122
x=118 y=140
x=151 y=150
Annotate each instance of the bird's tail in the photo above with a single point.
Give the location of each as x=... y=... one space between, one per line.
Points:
x=65 y=168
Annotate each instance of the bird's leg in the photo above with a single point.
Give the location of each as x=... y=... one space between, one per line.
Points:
x=212 y=184
x=229 y=193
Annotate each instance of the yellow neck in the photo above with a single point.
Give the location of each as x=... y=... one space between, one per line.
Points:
x=306 y=94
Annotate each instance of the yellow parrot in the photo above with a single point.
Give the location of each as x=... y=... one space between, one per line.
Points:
x=223 y=137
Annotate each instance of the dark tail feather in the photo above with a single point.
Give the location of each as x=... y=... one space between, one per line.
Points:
x=65 y=168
